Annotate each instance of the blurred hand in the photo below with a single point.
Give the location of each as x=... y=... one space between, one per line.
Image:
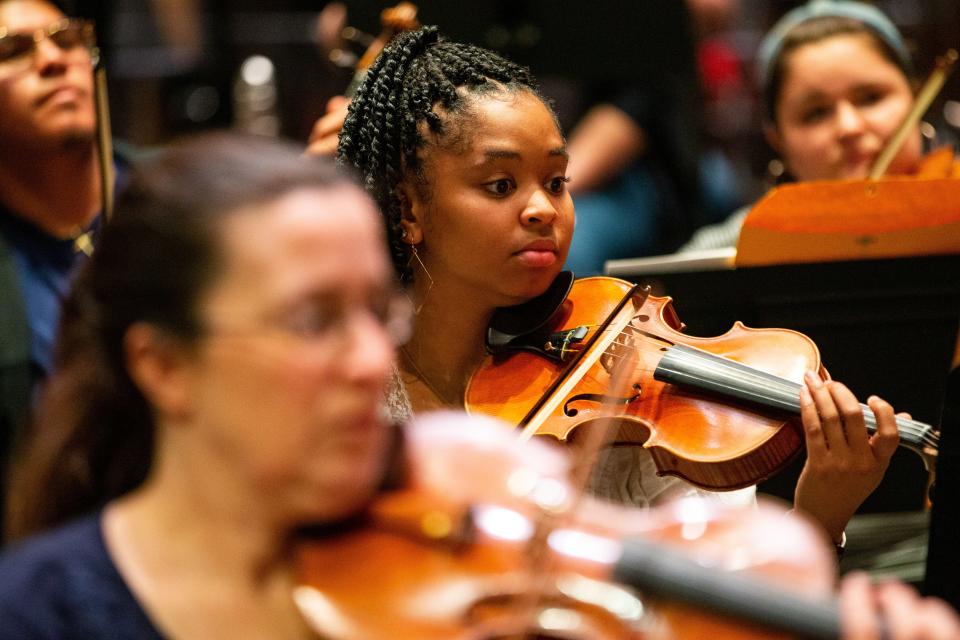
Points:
x=844 y=463
x=328 y=29
x=906 y=614
x=326 y=131
x=604 y=143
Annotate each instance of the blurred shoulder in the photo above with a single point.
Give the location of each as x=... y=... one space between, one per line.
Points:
x=63 y=584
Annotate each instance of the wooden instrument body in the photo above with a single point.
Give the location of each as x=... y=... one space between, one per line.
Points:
x=418 y=588
x=711 y=442
x=461 y=552
x=457 y=553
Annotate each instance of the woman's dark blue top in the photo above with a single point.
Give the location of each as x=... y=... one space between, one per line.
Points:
x=63 y=584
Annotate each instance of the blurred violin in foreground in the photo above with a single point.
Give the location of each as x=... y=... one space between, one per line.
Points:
x=722 y=412
x=488 y=539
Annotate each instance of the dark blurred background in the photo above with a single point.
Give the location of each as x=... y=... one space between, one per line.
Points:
x=180 y=65
x=176 y=66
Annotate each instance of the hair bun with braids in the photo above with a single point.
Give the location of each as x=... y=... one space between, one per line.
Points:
x=382 y=135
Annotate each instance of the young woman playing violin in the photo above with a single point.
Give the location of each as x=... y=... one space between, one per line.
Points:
x=222 y=362
x=223 y=355
x=468 y=166
x=835 y=78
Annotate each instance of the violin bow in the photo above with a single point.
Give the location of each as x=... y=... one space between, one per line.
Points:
x=83 y=242
x=603 y=433
x=104 y=136
x=925 y=96
x=597 y=437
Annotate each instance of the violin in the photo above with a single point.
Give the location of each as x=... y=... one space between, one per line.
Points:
x=450 y=554
x=487 y=538
x=721 y=412
x=326 y=131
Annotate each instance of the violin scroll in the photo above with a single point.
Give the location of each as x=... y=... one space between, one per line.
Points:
x=394 y=20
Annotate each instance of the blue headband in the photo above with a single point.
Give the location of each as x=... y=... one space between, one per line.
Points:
x=869 y=16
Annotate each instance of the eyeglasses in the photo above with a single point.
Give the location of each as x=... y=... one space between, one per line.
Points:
x=17 y=49
x=320 y=321
x=329 y=325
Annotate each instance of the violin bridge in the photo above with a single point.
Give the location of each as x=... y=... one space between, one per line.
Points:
x=619 y=347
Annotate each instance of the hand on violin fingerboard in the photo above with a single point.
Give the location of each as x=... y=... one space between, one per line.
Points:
x=844 y=463
x=905 y=614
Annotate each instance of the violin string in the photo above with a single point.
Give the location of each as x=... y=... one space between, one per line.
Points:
x=620 y=381
x=628 y=336
x=919 y=432
x=909 y=427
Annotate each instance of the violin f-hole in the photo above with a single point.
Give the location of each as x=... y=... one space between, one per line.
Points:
x=570 y=411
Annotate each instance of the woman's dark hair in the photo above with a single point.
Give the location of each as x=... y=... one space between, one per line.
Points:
x=418 y=79
x=92 y=439
x=815 y=30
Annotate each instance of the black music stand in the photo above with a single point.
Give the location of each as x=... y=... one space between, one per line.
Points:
x=943 y=554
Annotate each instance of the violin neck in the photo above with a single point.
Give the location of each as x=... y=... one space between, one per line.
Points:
x=668 y=575
x=688 y=367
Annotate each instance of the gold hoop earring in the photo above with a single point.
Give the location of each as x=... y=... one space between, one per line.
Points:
x=426 y=272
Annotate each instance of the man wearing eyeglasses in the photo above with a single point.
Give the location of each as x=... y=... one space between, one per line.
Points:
x=49 y=189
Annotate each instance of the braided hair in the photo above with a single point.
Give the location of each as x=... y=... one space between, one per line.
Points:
x=418 y=79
